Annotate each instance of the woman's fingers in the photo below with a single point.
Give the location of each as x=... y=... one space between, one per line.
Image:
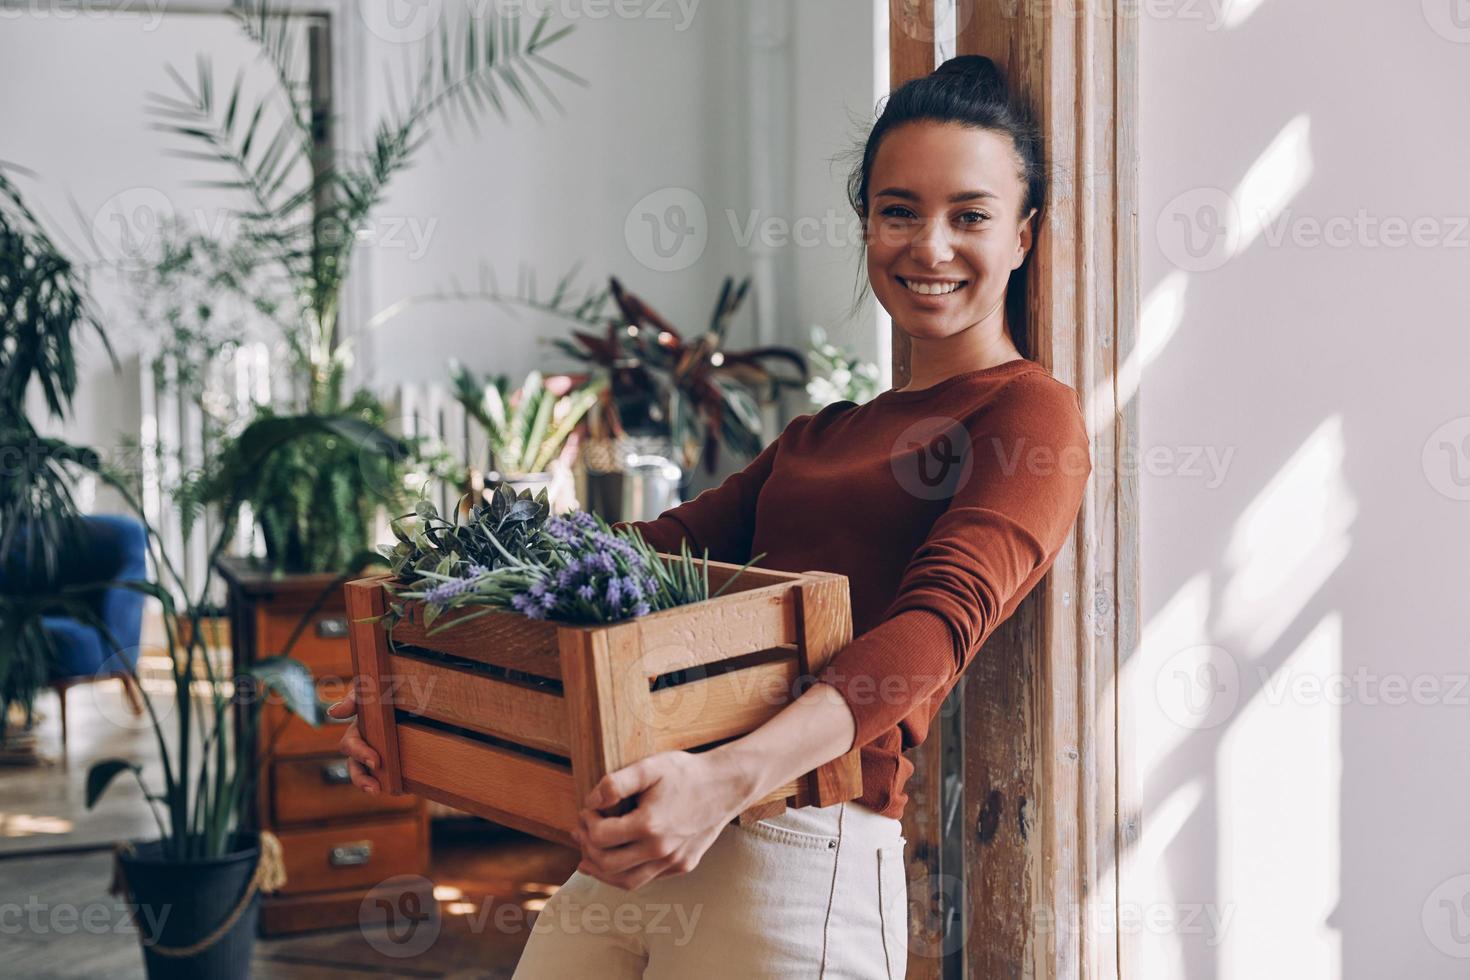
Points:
x=359 y=752
x=360 y=777
x=347 y=707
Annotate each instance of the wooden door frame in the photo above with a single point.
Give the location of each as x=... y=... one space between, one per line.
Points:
x=1037 y=867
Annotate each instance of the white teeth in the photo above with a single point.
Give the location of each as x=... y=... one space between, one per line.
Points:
x=931 y=289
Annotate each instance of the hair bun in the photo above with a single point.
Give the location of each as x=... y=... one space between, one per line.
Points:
x=976 y=69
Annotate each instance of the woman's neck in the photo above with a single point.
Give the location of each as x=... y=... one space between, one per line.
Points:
x=933 y=361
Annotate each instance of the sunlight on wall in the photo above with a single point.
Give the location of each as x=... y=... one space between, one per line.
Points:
x=1287 y=541
x=1237 y=12
x=1280 y=766
x=1164 y=957
x=1276 y=177
x=1179 y=626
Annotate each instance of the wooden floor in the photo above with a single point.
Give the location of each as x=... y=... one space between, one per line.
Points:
x=57 y=919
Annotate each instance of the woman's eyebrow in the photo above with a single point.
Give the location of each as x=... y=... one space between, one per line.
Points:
x=908 y=195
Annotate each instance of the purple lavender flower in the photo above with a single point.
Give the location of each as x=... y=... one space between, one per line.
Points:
x=614 y=591
x=640 y=608
x=631 y=588
x=586 y=591
x=565 y=577
x=548 y=600
x=445 y=591
x=584 y=519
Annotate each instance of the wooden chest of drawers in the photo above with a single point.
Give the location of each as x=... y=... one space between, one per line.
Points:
x=338 y=842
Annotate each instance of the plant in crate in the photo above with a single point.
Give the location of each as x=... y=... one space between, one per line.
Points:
x=505 y=674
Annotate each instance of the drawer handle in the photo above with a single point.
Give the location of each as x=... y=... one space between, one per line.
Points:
x=336 y=773
x=331 y=627
x=346 y=855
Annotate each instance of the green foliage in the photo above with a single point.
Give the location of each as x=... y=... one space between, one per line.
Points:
x=526 y=429
x=572 y=568
x=314 y=483
x=837 y=375
x=507 y=521
x=315 y=498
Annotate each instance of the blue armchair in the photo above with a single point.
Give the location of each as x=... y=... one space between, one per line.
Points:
x=114 y=550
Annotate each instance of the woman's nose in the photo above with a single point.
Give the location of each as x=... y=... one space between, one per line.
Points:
x=931 y=245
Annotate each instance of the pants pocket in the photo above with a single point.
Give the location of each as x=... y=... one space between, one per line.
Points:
x=893 y=906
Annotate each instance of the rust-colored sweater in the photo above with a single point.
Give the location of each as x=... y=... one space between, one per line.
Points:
x=943 y=507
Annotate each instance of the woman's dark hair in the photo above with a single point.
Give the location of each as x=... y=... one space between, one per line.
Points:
x=969 y=90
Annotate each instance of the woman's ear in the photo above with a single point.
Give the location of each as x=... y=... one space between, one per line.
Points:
x=1024 y=239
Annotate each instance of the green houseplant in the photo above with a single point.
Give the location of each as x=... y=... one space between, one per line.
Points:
x=305 y=202
x=44 y=311
x=527 y=428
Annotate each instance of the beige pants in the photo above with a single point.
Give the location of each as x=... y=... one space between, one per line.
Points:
x=814 y=892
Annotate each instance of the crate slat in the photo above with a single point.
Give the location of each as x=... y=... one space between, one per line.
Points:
x=501 y=639
x=471 y=700
x=721 y=707
x=539 y=792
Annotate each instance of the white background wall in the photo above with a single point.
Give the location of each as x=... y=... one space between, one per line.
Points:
x=1302 y=690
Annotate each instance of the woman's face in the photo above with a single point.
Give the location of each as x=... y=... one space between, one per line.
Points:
x=944 y=215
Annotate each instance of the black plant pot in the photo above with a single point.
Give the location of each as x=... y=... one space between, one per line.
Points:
x=178 y=903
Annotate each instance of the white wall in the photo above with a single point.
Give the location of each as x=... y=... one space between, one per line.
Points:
x=1301 y=692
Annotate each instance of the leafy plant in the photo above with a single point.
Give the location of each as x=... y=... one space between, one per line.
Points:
x=502 y=520
x=837 y=376
x=45 y=309
x=702 y=395
x=526 y=428
x=306 y=203
x=572 y=568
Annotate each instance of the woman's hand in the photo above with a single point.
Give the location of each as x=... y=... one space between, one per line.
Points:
x=685 y=801
x=362 y=760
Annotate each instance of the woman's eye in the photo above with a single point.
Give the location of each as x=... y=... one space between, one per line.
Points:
x=893 y=212
x=974 y=217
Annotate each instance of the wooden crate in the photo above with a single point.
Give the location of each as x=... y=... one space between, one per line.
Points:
x=517 y=719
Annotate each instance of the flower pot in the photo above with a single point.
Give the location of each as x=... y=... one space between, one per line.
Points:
x=180 y=903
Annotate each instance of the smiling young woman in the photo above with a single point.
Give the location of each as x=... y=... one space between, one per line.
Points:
x=944 y=503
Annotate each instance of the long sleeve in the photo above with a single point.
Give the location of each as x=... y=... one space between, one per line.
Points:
x=996 y=538
x=721 y=518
